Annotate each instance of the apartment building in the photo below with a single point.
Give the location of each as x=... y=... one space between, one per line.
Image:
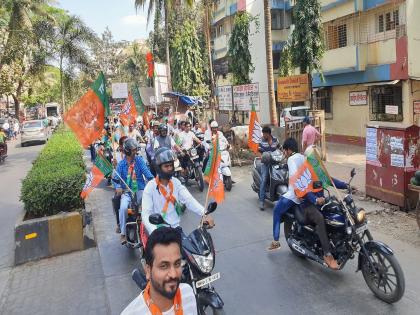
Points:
x=223 y=19
x=371 y=66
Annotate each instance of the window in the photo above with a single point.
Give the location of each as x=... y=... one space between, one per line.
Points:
x=220 y=30
x=336 y=36
x=280 y=19
x=388 y=21
x=323 y=100
x=386 y=103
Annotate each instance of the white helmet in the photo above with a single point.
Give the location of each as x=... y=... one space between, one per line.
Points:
x=214 y=124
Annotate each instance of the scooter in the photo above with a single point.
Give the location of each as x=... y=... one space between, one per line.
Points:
x=3 y=151
x=225 y=165
x=278 y=178
x=199 y=253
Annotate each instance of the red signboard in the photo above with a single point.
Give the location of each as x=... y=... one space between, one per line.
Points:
x=416 y=107
x=241 y=5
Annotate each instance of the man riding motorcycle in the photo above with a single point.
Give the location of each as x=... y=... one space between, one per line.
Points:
x=208 y=136
x=132 y=170
x=166 y=195
x=187 y=138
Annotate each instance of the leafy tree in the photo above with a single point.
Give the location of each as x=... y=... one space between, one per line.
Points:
x=240 y=63
x=134 y=67
x=106 y=54
x=187 y=61
x=306 y=46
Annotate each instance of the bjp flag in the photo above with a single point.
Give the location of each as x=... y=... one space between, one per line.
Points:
x=254 y=131
x=128 y=113
x=213 y=173
x=92 y=180
x=86 y=118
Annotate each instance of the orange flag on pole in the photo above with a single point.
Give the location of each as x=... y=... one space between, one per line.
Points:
x=213 y=173
x=128 y=113
x=86 y=118
x=146 y=121
x=254 y=131
x=92 y=180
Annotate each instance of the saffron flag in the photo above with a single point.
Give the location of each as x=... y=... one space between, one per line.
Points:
x=92 y=180
x=128 y=113
x=213 y=173
x=86 y=118
x=312 y=170
x=254 y=131
x=150 y=65
x=146 y=121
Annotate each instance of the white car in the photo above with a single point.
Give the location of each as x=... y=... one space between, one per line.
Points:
x=293 y=113
x=34 y=131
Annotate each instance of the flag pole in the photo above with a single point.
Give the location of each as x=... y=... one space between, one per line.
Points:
x=213 y=162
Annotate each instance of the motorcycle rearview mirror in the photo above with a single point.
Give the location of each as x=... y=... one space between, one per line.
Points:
x=317 y=184
x=139 y=278
x=211 y=207
x=156 y=219
x=353 y=172
x=208 y=141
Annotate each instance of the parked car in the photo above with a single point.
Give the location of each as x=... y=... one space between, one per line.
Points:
x=293 y=113
x=2 y=121
x=34 y=131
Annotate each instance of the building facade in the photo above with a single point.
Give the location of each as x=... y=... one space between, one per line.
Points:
x=371 y=66
x=223 y=20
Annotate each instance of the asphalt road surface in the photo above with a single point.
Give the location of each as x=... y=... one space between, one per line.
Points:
x=254 y=281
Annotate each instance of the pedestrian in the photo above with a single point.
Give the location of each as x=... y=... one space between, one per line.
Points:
x=16 y=129
x=310 y=135
x=6 y=127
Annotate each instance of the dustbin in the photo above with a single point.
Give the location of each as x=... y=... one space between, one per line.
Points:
x=392 y=157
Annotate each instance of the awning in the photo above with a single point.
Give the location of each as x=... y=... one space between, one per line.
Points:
x=383 y=83
x=185 y=99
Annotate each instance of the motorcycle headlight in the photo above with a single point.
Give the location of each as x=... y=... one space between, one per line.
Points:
x=204 y=263
x=193 y=152
x=361 y=216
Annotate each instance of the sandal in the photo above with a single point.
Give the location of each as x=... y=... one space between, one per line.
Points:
x=274 y=245
x=123 y=240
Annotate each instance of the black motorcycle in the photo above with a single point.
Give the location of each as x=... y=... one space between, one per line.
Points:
x=194 y=168
x=199 y=254
x=277 y=183
x=3 y=151
x=348 y=234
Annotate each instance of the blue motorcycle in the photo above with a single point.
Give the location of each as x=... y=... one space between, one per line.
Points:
x=348 y=232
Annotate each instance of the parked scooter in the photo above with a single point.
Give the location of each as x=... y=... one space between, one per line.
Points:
x=278 y=179
x=199 y=253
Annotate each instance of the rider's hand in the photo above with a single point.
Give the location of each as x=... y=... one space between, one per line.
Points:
x=119 y=191
x=114 y=162
x=209 y=220
x=320 y=201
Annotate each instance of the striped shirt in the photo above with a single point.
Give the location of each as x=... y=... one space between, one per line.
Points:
x=138 y=305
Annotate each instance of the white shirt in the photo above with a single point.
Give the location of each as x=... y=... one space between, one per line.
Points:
x=138 y=305
x=222 y=140
x=134 y=134
x=294 y=162
x=153 y=202
x=187 y=139
x=6 y=126
x=156 y=142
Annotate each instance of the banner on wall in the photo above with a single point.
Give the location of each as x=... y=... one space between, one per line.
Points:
x=293 y=88
x=246 y=95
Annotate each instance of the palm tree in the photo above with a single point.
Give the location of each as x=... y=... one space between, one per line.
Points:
x=72 y=38
x=269 y=58
x=166 y=4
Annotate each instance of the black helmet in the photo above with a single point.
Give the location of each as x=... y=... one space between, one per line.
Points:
x=163 y=127
x=164 y=155
x=130 y=144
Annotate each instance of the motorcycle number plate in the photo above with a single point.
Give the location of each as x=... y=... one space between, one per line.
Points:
x=361 y=229
x=206 y=281
x=194 y=157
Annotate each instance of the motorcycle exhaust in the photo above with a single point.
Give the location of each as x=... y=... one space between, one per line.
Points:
x=305 y=252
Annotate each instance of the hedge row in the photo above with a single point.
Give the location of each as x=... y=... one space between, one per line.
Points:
x=56 y=179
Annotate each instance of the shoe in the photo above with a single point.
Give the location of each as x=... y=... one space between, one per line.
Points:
x=262 y=205
x=274 y=245
x=331 y=262
x=123 y=240
x=118 y=230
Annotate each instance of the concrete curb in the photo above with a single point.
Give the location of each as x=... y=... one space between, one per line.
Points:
x=51 y=236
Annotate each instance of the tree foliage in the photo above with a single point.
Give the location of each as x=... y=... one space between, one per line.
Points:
x=306 y=44
x=240 y=62
x=187 y=61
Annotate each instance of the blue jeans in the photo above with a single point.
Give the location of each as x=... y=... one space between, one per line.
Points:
x=281 y=208
x=264 y=178
x=125 y=202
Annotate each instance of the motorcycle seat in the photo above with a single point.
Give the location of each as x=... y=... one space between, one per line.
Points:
x=299 y=214
x=258 y=164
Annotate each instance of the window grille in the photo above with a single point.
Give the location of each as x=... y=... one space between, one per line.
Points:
x=383 y=96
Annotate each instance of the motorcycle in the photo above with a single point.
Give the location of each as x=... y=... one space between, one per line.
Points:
x=193 y=169
x=348 y=232
x=3 y=151
x=199 y=254
x=278 y=178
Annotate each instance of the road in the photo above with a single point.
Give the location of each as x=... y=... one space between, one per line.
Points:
x=13 y=170
x=254 y=281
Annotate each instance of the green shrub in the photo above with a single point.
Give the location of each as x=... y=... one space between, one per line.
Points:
x=57 y=176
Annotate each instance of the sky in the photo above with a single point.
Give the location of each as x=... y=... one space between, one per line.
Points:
x=119 y=15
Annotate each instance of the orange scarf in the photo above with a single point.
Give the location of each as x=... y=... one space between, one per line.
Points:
x=154 y=309
x=170 y=198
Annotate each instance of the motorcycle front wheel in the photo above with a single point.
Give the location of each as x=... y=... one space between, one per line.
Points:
x=387 y=283
x=199 y=178
x=228 y=182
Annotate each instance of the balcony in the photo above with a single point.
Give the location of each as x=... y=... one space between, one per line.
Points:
x=281 y=4
x=280 y=35
x=340 y=60
x=220 y=47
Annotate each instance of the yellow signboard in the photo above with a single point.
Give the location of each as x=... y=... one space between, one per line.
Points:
x=293 y=88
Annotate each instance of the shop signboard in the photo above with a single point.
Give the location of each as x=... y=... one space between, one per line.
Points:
x=358 y=98
x=245 y=95
x=224 y=95
x=293 y=88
